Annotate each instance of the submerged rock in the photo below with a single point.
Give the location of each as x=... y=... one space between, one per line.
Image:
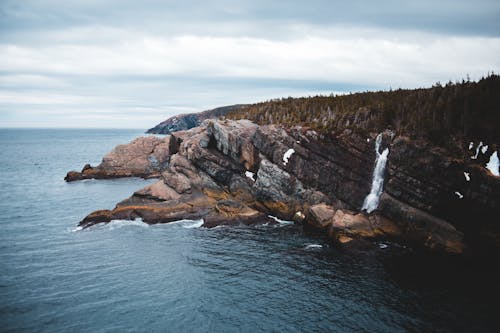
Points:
x=203 y=174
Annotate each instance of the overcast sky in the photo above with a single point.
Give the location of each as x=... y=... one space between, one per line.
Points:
x=131 y=64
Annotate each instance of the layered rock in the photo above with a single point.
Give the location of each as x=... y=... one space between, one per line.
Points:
x=184 y=122
x=230 y=172
x=143 y=157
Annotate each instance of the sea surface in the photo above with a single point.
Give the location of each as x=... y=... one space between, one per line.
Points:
x=131 y=277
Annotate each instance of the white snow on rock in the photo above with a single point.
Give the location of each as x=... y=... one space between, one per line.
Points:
x=477 y=151
x=484 y=149
x=493 y=164
x=467 y=176
x=459 y=195
x=471 y=145
x=300 y=215
x=250 y=175
x=287 y=156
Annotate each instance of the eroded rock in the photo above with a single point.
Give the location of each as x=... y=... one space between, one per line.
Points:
x=143 y=157
x=203 y=174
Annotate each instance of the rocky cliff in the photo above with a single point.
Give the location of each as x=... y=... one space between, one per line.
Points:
x=186 y=121
x=231 y=172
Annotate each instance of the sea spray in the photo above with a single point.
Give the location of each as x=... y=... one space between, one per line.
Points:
x=372 y=199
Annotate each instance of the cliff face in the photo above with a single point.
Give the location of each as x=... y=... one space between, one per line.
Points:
x=230 y=172
x=184 y=122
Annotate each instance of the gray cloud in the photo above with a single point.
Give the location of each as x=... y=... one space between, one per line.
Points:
x=98 y=63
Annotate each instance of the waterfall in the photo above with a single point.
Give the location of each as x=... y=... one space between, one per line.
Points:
x=372 y=199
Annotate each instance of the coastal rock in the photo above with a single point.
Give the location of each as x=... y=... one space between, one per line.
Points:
x=143 y=157
x=320 y=216
x=422 y=227
x=232 y=172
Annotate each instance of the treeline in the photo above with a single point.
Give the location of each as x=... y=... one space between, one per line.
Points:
x=466 y=109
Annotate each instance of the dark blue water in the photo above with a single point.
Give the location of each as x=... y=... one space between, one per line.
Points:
x=130 y=277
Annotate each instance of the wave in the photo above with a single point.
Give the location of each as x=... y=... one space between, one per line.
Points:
x=281 y=222
x=313 y=247
x=188 y=224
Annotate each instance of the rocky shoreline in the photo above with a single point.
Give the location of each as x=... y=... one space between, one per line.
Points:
x=232 y=172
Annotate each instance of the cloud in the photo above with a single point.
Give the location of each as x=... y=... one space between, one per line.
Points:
x=83 y=60
x=367 y=56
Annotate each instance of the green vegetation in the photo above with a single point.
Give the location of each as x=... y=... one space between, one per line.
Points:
x=464 y=109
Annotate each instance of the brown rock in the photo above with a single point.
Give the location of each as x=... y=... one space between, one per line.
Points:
x=143 y=157
x=320 y=216
x=158 y=191
x=421 y=227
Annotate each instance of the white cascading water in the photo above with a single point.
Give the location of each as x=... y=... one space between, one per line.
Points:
x=372 y=199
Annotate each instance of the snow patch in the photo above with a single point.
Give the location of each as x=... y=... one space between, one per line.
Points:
x=493 y=164
x=477 y=151
x=467 y=176
x=250 y=175
x=484 y=149
x=459 y=195
x=300 y=215
x=287 y=155
x=471 y=145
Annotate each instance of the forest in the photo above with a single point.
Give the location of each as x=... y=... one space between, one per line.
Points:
x=466 y=109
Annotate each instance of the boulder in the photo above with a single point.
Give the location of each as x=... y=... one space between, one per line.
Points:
x=320 y=216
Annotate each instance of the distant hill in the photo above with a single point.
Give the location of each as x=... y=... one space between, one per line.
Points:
x=190 y=120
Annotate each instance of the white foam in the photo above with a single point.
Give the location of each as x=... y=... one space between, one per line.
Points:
x=79 y=228
x=188 y=224
x=313 y=246
x=459 y=195
x=383 y=246
x=493 y=164
x=287 y=155
x=283 y=222
x=372 y=199
x=467 y=176
x=193 y=224
x=250 y=175
x=117 y=224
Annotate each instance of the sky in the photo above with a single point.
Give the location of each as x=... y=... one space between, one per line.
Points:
x=132 y=64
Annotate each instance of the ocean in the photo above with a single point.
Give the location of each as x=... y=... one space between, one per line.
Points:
x=178 y=277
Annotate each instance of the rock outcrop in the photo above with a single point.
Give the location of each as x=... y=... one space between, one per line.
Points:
x=184 y=122
x=143 y=157
x=231 y=172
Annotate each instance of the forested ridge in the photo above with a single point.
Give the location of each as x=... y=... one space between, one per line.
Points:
x=466 y=109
